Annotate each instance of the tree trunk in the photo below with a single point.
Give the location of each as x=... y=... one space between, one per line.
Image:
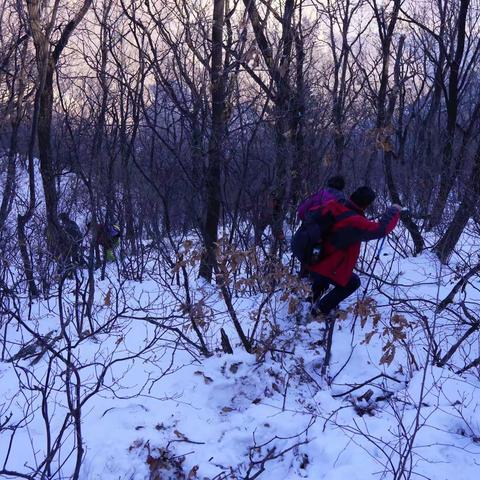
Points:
x=55 y=235
x=9 y=192
x=22 y=220
x=297 y=122
x=213 y=192
x=447 y=243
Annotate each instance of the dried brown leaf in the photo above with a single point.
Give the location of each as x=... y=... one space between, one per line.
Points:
x=368 y=337
x=108 y=298
x=193 y=473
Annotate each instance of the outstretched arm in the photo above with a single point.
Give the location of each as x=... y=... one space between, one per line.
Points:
x=359 y=229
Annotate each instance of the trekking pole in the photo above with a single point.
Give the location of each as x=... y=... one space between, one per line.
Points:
x=376 y=257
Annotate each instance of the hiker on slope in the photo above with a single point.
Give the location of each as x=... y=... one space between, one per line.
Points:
x=333 y=191
x=107 y=236
x=341 y=247
x=74 y=238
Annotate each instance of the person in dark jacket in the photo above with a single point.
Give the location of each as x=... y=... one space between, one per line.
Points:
x=333 y=191
x=341 y=247
x=74 y=237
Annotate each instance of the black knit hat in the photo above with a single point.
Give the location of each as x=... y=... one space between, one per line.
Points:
x=337 y=182
x=363 y=197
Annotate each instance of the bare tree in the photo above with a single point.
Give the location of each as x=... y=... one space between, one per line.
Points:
x=454 y=61
x=345 y=44
x=50 y=39
x=280 y=93
x=14 y=65
x=213 y=176
x=386 y=98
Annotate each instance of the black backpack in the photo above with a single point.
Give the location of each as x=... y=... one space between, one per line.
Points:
x=307 y=241
x=73 y=231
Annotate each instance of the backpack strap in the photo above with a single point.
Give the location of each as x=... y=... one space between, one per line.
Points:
x=344 y=215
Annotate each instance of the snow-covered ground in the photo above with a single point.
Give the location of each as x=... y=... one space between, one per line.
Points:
x=154 y=407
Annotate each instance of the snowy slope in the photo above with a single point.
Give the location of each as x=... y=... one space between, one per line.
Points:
x=170 y=411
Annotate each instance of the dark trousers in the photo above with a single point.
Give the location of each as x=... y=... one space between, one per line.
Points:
x=330 y=301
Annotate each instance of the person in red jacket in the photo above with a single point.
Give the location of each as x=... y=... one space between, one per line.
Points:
x=341 y=247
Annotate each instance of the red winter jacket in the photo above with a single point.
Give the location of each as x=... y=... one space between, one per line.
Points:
x=342 y=244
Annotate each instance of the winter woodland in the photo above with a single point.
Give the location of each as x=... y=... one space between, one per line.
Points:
x=197 y=127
